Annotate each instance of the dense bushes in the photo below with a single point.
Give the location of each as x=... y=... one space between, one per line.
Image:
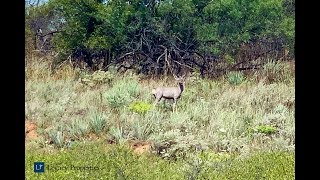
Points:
x=152 y=36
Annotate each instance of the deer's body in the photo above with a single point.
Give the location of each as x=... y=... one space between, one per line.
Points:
x=169 y=92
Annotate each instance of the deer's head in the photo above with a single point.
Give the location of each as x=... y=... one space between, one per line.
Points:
x=180 y=79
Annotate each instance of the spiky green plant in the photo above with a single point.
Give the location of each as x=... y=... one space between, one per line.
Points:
x=57 y=137
x=78 y=128
x=235 y=78
x=118 y=134
x=98 y=121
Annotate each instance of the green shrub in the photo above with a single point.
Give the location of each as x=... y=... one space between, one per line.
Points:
x=117 y=133
x=98 y=122
x=115 y=99
x=57 y=138
x=140 y=107
x=78 y=128
x=266 y=129
x=235 y=78
x=133 y=88
x=122 y=93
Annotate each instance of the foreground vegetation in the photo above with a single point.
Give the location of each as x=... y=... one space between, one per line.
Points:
x=118 y=162
x=242 y=116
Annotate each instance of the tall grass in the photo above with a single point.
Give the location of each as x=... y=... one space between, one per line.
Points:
x=226 y=115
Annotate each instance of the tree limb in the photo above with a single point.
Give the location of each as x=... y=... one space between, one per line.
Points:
x=183 y=64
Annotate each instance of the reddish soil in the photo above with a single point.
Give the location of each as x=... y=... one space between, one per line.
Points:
x=140 y=147
x=31 y=130
x=93 y=136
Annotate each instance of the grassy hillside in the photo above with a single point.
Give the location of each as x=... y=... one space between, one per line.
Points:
x=240 y=114
x=118 y=162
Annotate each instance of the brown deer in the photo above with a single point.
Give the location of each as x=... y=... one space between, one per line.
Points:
x=170 y=92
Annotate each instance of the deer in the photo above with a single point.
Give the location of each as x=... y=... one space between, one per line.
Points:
x=170 y=92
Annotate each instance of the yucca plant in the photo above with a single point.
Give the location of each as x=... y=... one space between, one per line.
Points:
x=98 y=122
x=235 y=78
x=57 y=138
x=78 y=128
x=118 y=134
x=133 y=88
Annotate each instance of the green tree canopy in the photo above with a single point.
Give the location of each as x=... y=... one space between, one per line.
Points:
x=207 y=28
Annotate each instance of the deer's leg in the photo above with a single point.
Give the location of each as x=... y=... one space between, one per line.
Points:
x=156 y=101
x=174 y=104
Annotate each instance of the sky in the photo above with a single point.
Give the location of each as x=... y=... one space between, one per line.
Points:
x=35 y=1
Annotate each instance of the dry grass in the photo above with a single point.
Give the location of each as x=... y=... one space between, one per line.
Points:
x=212 y=114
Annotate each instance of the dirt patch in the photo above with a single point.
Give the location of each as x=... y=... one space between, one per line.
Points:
x=92 y=136
x=30 y=130
x=140 y=147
